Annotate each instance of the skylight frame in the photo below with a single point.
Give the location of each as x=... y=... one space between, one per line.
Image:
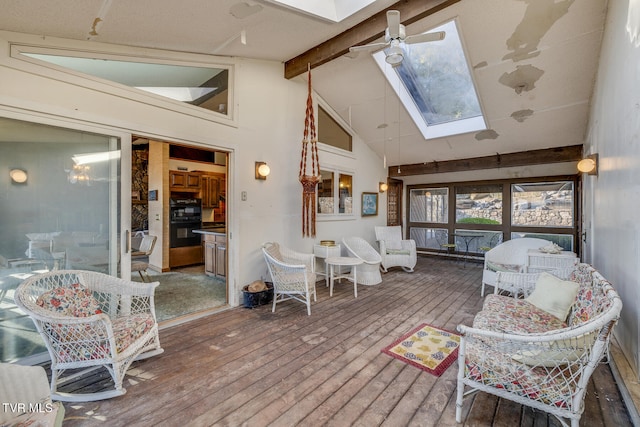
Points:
x=330 y=10
x=445 y=129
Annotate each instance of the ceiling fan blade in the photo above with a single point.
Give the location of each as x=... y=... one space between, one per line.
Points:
x=364 y=47
x=422 y=38
x=393 y=23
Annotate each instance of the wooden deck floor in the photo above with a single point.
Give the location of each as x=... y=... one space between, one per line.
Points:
x=251 y=367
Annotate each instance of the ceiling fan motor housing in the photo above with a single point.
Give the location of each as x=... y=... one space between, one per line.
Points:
x=401 y=34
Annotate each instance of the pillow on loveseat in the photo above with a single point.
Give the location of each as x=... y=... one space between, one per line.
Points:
x=554 y=295
x=72 y=300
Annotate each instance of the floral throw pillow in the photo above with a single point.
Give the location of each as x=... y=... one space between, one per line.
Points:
x=71 y=300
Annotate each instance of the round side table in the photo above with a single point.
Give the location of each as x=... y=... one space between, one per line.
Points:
x=332 y=262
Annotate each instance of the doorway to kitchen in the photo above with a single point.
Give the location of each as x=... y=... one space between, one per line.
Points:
x=178 y=196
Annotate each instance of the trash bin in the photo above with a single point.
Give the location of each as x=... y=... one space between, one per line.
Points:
x=254 y=299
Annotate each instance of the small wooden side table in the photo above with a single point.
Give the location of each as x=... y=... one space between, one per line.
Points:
x=333 y=262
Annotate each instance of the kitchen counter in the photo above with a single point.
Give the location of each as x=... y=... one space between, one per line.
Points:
x=211 y=230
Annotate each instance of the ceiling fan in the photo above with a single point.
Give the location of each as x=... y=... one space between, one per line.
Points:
x=394 y=36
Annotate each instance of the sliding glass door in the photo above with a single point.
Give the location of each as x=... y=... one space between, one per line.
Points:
x=60 y=208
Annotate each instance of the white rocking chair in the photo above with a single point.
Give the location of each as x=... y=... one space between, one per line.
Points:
x=394 y=250
x=90 y=319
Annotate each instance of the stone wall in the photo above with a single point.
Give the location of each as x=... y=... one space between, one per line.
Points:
x=553 y=217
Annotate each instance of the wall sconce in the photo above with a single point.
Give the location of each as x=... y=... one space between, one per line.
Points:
x=262 y=170
x=382 y=187
x=589 y=165
x=18 y=176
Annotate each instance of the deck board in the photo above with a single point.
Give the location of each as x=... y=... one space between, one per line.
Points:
x=257 y=368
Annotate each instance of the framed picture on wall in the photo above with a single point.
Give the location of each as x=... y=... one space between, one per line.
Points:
x=369 y=204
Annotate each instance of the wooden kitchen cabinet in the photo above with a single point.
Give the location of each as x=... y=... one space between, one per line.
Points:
x=184 y=181
x=215 y=255
x=210 y=191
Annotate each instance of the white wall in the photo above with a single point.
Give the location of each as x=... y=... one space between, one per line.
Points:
x=612 y=199
x=269 y=127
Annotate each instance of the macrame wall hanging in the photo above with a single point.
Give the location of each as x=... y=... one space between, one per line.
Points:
x=309 y=182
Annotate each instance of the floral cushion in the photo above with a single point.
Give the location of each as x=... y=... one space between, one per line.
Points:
x=502 y=313
x=128 y=329
x=90 y=341
x=71 y=300
x=551 y=386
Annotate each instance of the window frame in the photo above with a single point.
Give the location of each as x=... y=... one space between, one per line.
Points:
x=444 y=129
x=337 y=171
x=506 y=228
x=19 y=50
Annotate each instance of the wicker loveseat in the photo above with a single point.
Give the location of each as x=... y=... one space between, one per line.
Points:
x=517 y=351
x=510 y=256
x=89 y=319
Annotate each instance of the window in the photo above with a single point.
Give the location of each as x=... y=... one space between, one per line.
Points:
x=545 y=204
x=64 y=216
x=430 y=205
x=479 y=204
x=563 y=240
x=335 y=197
x=331 y=133
x=435 y=85
x=488 y=212
x=207 y=87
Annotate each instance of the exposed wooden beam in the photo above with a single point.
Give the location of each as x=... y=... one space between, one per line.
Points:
x=523 y=158
x=365 y=32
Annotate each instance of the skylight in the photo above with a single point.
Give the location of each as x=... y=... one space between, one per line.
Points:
x=435 y=85
x=332 y=10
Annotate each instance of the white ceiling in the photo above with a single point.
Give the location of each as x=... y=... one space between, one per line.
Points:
x=550 y=110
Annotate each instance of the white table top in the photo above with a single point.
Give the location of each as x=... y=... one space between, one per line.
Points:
x=343 y=260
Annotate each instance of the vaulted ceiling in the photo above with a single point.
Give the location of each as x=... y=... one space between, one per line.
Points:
x=534 y=61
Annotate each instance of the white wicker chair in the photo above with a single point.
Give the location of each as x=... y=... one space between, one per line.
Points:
x=394 y=250
x=369 y=271
x=522 y=284
x=547 y=368
x=89 y=319
x=292 y=273
x=508 y=256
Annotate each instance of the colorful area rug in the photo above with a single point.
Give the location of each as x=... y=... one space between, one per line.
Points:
x=426 y=347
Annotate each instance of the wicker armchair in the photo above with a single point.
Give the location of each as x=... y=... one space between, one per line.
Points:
x=369 y=271
x=89 y=319
x=394 y=250
x=292 y=273
x=508 y=256
x=519 y=352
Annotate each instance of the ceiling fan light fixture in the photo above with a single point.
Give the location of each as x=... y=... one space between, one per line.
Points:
x=395 y=55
